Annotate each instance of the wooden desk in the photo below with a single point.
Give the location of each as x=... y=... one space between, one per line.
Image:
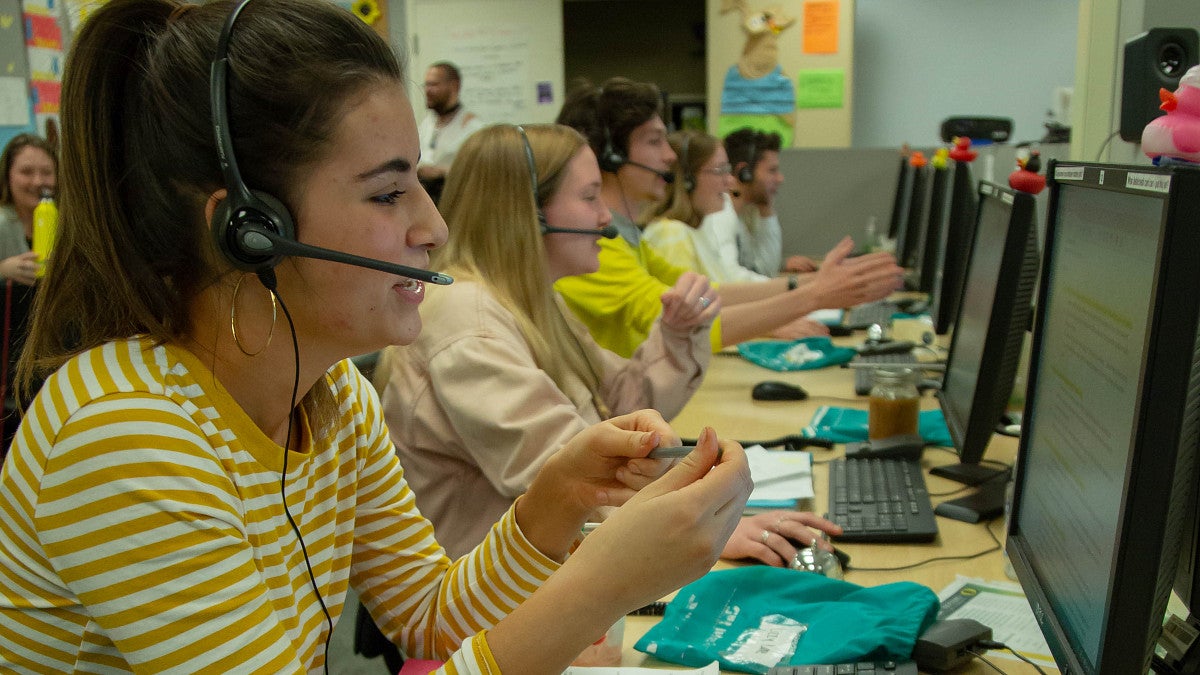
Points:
x=723 y=402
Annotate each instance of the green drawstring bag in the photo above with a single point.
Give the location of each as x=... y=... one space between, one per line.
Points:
x=847 y=425
x=803 y=354
x=751 y=619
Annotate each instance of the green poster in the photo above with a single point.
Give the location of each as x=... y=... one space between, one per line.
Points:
x=820 y=88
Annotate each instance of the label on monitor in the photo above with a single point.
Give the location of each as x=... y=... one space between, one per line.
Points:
x=1068 y=173
x=1148 y=181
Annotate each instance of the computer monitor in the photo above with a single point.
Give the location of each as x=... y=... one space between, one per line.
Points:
x=931 y=248
x=900 y=199
x=908 y=241
x=956 y=242
x=985 y=350
x=1106 y=464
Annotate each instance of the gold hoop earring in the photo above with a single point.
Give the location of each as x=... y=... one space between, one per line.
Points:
x=233 y=319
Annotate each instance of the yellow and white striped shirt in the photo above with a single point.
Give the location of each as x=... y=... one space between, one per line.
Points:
x=141 y=529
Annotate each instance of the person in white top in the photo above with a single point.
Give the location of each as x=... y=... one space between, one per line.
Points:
x=755 y=159
x=447 y=125
x=719 y=232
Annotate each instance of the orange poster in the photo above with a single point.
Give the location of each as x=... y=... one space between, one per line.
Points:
x=821 y=26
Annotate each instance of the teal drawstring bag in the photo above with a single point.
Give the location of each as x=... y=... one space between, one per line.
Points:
x=803 y=354
x=848 y=425
x=751 y=619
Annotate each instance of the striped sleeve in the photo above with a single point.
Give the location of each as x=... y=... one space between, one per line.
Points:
x=429 y=606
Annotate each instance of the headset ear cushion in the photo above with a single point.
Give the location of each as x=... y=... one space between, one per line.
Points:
x=610 y=160
x=745 y=174
x=262 y=210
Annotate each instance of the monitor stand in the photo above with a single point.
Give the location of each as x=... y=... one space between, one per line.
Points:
x=984 y=503
x=968 y=474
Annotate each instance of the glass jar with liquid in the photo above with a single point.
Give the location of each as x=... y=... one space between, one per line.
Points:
x=894 y=404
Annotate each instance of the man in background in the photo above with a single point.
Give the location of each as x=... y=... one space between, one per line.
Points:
x=755 y=159
x=444 y=129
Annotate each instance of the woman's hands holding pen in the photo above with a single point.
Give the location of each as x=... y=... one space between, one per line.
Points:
x=671 y=532
x=603 y=465
x=668 y=534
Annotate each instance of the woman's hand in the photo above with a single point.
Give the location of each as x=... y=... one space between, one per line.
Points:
x=667 y=535
x=770 y=537
x=845 y=282
x=671 y=532
x=800 y=328
x=603 y=465
x=691 y=302
x=21 y=268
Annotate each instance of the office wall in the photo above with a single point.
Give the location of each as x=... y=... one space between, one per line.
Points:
x=917 y=62
x=816 y=127
x=834 y=192
x=510 y=53
x=1104 y=27
x=660 y=41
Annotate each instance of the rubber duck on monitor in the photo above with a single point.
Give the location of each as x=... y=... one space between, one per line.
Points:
x=1175 y=136
x=962 y=151
x=1026 y=178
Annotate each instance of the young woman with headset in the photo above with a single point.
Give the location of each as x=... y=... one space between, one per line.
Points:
x=502 y=332
x=205 y=474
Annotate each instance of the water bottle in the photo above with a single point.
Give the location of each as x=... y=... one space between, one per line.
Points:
x=45 y=228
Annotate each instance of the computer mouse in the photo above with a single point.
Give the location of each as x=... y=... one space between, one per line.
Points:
x=774 y=390
x=819 y=561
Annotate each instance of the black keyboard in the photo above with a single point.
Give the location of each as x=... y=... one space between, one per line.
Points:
x=864 y=668
x=862 y=376
x=880 y=500
x=864 y=315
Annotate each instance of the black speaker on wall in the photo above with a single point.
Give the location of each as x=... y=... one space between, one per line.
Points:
x=1156 y=59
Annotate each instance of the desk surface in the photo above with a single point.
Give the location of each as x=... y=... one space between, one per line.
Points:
x=723 y=402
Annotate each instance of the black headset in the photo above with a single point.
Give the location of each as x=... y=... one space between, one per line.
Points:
x=746 y=173
x=533 y=181
x=610 y=158
x=608 y=231
x=253 y=229
x=242 y=209
x=689 y=179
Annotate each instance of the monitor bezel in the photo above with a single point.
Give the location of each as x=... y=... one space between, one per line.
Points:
x=935 y=224
x=1006 y=324
x=957 y=234
x=1135 y=595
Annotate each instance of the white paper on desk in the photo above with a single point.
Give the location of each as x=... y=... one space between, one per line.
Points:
x=829 y=317
x=1002 y=607
x=779 y=475
x=711 y=669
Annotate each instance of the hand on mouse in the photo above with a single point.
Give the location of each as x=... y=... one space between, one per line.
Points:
x=770 y=537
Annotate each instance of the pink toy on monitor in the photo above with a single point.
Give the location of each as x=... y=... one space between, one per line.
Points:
x=1175 y=137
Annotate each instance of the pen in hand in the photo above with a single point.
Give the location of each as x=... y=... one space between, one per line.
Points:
x=671 y=452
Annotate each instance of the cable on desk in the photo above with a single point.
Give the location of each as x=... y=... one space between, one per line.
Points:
x=980 y=655
x=969 y=486
x=837 y=399
x=997 y=547
x=991 y=644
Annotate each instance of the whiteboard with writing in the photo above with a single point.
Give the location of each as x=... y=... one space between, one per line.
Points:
x=510 y=54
